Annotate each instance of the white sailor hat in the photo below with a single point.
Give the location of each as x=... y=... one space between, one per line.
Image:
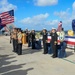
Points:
x=53 y=28
x=32 y=29
x=44 y=28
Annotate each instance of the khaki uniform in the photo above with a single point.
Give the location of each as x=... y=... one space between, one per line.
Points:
x=15 y=41
x=19 y=35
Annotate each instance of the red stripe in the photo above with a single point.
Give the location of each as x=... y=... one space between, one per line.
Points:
x=67 y=42
x=3 y=15
x=7 y=22
x=6 y=16
x=8 y=19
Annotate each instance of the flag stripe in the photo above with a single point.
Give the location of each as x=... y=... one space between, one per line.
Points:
x=7 y=17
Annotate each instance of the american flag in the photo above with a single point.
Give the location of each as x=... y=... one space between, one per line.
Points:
x=59 y=26
x=7 y=17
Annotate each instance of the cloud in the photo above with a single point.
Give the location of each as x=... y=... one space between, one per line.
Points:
x=35 y=20
x=63 y=14
x=73 y=6
x=5 y=6
x=73 y=13
x=39 y=21
x=51 y=23
x=66 y=16
x=45 y=2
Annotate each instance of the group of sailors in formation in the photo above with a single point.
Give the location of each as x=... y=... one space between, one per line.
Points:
x=20 y=37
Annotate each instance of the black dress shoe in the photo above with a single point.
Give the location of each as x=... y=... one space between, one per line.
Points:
x=53 y=56
x=19 y=54
x=13 y=51
x=44 y=53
